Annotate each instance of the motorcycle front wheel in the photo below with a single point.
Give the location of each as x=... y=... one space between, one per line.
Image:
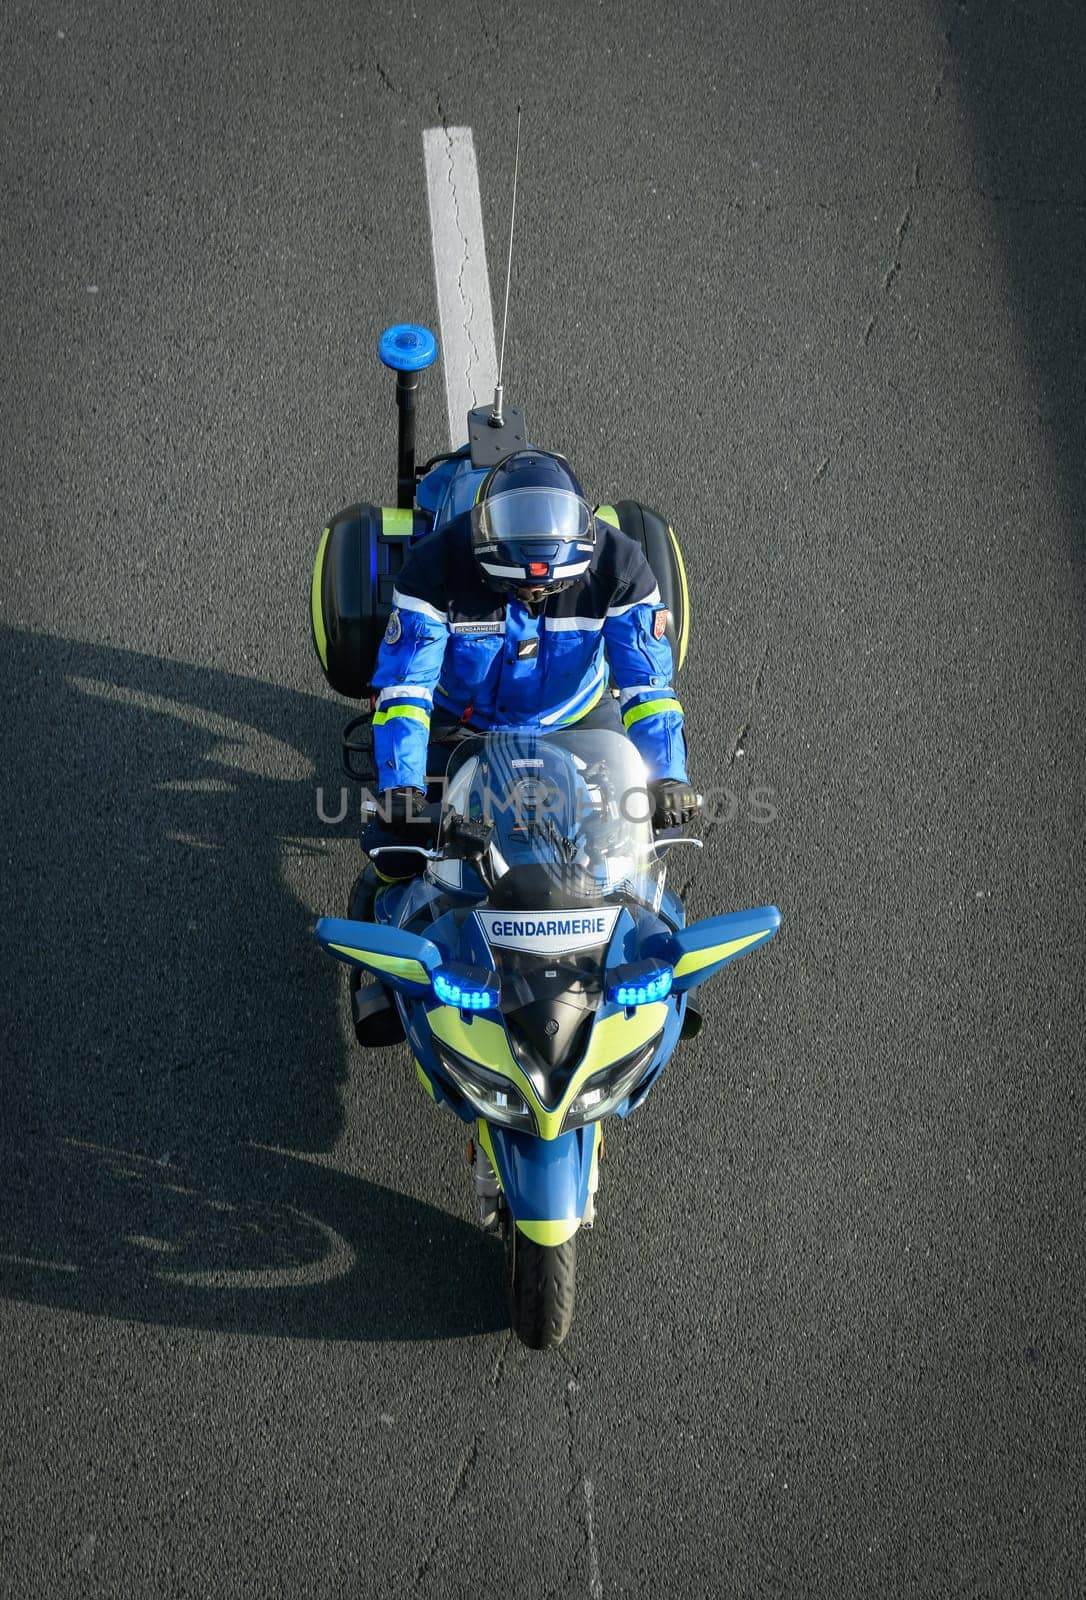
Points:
x=541 y=1279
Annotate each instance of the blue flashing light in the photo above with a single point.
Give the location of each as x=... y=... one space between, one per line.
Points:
x=455 y=991
x=642 y=991
x=407 y=347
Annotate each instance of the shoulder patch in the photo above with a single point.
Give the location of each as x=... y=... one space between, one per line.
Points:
x=660 y=619
x=393 y=629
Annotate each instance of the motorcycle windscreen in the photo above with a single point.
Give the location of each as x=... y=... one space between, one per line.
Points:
x=571 y=805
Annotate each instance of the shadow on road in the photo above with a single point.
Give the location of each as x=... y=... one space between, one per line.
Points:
x=1018 y=74
x=173 y=1059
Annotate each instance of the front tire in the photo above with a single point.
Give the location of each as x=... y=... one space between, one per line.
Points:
x=542 y=1281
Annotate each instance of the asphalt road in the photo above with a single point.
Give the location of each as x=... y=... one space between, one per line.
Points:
x=809 y=277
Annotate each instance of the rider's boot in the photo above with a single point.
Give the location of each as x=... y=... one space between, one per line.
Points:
x=363 y=895
x=373 y=1011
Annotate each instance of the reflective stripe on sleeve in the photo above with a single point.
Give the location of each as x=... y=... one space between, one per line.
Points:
x=408 y=602
x=416 y=713
x=626 y=695
x=652 y=599
x=649 y=708
x=395 y=690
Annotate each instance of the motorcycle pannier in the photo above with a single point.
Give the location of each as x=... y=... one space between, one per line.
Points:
x=359 y=556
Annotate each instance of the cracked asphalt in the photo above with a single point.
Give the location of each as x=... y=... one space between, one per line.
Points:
x=809 y=279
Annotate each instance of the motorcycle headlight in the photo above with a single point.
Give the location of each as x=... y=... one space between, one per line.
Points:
x=606 y=1089
x=493 y=1096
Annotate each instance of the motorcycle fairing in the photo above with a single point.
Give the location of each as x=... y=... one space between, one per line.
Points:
x=615 y=1035
x=545 y=1182
x=668 y=1041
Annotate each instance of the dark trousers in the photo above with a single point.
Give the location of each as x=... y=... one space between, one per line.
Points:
x=446 y=732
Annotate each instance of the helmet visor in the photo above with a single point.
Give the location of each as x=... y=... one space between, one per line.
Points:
x=555 y=515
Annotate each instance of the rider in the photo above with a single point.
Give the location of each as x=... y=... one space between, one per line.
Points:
x=510 y=617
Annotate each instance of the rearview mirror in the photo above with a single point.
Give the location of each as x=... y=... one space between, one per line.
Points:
x=402 y=960
x=697 y=952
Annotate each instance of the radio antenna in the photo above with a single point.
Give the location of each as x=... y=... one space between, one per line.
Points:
x=497 y=418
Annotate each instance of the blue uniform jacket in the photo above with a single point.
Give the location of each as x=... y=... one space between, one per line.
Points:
x=489 y=661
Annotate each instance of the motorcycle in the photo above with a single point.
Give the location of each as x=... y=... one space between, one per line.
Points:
x=540 y=968
x=543 y=976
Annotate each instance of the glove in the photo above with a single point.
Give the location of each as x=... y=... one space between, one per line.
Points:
x=406 y=815
x=675 y=803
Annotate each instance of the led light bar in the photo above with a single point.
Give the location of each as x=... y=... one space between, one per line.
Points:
x=469 y=988
x=640 y=984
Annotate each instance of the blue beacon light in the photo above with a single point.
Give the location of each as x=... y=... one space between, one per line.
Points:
x=468 y=996
x=407 y=347
x=647 y=988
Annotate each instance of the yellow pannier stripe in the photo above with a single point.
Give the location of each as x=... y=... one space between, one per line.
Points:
x=315 y=606
x=648 y=709
x=395 y=966
x=694 y=960
x=684 y=634
x=416 y=713
x=397 y=523
x=549 y=1232
x=487 y=1043
x=608 y=514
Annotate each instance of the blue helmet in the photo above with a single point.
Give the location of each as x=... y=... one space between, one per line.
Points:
x=532 y=530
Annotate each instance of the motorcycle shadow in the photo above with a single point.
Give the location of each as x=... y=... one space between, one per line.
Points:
x=257 y=1241
x=169 y=1026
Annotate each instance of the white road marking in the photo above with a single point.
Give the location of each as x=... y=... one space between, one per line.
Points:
x=463 y=285
x=595 y=1582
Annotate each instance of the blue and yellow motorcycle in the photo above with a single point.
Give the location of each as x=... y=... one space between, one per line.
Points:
x=540 y=968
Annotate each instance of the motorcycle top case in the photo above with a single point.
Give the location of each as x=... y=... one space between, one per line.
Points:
x=359 y=557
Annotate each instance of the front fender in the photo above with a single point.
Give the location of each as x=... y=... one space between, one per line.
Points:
x=545 y=1182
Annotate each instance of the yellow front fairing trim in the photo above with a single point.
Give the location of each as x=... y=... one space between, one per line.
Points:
x=695 y=960
x=395 y=966
x=424 y=1080
x=488 y=1044
x=481 y=1041
x=320 y=638
x=549 y=1232
x=684 y=633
